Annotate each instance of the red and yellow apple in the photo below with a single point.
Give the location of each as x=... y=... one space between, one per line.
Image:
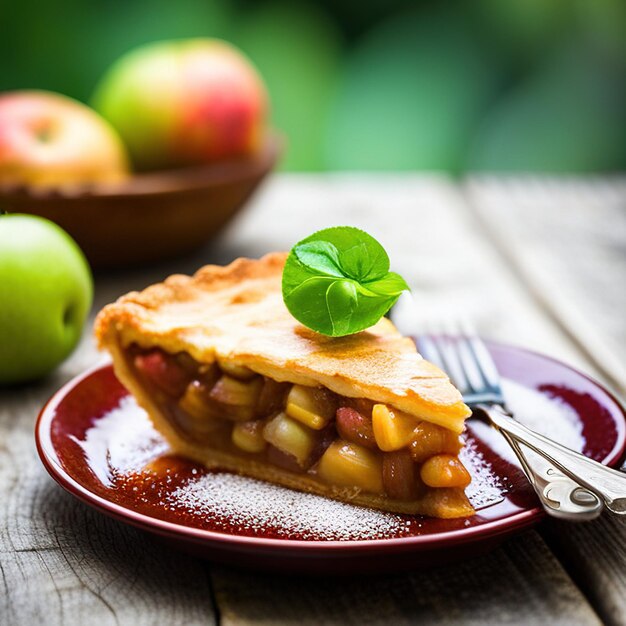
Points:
x=177 y=103
x=49 y=140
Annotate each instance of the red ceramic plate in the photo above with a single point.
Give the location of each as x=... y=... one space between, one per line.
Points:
x=98 y=445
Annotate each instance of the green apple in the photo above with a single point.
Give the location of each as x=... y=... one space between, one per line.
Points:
x=49 y=140
x=46 y=292
x=183 y=102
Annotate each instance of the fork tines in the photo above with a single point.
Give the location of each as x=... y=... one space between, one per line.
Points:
x=466 y=360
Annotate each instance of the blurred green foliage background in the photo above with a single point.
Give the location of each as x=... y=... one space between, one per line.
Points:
x=535 y=85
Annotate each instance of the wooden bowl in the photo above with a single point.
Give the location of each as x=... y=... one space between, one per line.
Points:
x=149 y=216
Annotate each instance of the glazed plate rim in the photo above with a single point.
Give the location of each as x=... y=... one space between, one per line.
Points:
x=514 y=522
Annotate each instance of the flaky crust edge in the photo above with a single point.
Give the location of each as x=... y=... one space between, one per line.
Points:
x=130 y=314
x=443 y=503
x=129 y=308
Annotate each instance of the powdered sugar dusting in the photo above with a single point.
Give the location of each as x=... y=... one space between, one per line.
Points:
x=129 y=456
x=545 y=414
x=121 y=442
x=253 y=506
x=486 y=487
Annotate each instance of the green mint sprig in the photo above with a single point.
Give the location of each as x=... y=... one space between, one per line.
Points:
x=337 y=281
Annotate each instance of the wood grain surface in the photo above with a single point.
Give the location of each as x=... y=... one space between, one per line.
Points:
x=567 y=243
x=62 y=563
x=529 y=587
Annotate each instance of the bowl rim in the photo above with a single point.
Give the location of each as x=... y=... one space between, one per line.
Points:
x=165 y=181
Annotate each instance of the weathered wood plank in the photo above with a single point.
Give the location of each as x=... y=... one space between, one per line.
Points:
x=63 y=563
x=434 y=239
x=594 y=555
x=439 y=247
x=521 y=583
x=566 y=239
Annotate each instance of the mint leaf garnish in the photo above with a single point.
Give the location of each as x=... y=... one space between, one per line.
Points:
x=337 y=281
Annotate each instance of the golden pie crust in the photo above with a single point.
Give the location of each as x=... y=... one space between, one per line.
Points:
x=236 y=313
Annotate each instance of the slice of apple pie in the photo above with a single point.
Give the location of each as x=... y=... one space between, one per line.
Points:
x=233 y=381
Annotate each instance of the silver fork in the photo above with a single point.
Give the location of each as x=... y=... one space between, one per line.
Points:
x=569 y=484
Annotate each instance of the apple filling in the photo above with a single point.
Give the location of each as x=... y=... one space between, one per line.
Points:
x=341 y=441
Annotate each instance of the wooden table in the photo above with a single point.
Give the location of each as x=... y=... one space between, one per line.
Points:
x=538 y=262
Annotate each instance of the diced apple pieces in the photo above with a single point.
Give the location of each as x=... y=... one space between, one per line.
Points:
x=272 y=397
x=187 y=362
x=445 y=470
x=393 y=429
x=248 y=436
x=362 y=405
x=291 y=437
x=313 y=407
x=350 y=465
x=240 y=372
x=283 y=460
x=196 y=402
x=162 y=371
x=209 y=374
x=355 y=427
x=239 y=398
x=430 y=439
x=205 y=429
x=401 y=477
x=323 y=439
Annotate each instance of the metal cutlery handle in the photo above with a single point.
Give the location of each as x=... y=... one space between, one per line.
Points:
x=559 y=495
x=605 y=482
